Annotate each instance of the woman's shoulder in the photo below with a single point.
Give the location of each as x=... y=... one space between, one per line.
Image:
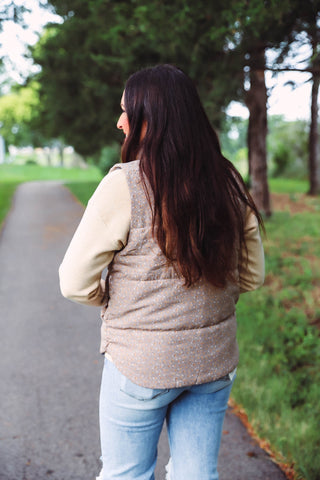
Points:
x=130 y=172
x=134 y=165
x=112 y=188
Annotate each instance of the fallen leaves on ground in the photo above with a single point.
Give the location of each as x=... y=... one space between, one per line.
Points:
x=276 y=457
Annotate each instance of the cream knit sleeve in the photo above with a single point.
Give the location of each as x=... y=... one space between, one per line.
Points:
x=103 y=230
x=251 y=268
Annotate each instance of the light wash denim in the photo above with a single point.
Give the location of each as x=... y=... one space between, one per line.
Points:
x=131 y=420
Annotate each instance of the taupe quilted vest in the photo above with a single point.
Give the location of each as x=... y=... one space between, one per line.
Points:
x=159 y=333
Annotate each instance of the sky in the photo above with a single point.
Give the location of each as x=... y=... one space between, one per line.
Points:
x=294 y=104
x=283 y=100
x=13 y=38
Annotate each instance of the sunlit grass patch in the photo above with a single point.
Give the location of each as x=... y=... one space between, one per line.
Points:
x=6 y=193
x=83 y=191
x=25 y=173
x=288 y=185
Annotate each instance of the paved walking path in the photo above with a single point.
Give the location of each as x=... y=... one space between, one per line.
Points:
x=50 y=366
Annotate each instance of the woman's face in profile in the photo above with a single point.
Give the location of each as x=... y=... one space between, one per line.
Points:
x=123 y=122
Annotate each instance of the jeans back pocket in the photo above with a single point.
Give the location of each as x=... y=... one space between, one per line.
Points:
x=138 y=392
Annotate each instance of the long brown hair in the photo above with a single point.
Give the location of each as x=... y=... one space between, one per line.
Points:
x=199 y=197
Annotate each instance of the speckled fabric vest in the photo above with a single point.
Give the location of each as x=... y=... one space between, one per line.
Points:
x=159 y=333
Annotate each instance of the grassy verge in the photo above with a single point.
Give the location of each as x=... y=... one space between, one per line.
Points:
x=83 y=190
x=279 y=375
x=7 y=190
x=25 y=173
x=288 y=185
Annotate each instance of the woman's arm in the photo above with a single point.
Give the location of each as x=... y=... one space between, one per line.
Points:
x=102 y=231
x=251 y=268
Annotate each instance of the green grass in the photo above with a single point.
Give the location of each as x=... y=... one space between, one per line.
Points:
x=279 y=374
x=25 y=173
x=278 y=380
x=288 y=185
x=7 y=190
x=83 y=190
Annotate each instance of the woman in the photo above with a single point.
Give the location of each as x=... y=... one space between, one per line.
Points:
x=179 y=233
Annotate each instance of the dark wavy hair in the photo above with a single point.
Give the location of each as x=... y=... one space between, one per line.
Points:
x=199 y=197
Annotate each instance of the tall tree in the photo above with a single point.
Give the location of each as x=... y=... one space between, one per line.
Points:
x=304 y=31
x=308 y=22
x=314 y=159
x=256 y=101
x=86 y=59
x=81 y=77
x=260 y=25
x=222 y=47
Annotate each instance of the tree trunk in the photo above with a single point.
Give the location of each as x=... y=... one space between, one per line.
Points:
x=61 y=154
x=314 y=161
x=256 y=101
x=48 y=154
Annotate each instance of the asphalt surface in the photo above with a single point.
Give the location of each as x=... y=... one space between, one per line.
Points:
x=50 y=366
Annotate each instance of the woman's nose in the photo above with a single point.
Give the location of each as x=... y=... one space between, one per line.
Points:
x=119 y=123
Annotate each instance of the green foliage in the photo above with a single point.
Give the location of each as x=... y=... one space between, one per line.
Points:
x=259 y=23
x=86 y=60
x=107 y=157
x=17 y=111
x=233 y=135
x=288 y=147
x=233 y=139
x=79 y=93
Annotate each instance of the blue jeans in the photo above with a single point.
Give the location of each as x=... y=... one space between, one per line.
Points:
x=131 y=420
